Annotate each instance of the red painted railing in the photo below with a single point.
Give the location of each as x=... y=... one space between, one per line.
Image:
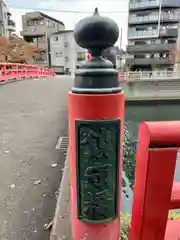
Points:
x=12 y=71
x=155 y=192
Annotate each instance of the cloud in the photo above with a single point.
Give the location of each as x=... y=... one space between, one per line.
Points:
x=115 y=9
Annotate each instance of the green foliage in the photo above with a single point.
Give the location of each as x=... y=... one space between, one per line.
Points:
x=125 y=223
x=81 y=58
x=126 y=220
x=129 y=159
x=173 y=215
x=129 y=162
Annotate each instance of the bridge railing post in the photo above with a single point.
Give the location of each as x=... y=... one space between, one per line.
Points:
x=155 y=192
x=96 y=127
x=4 y=71
x=25 y=66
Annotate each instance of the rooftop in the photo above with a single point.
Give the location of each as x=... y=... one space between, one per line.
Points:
x=62 y=31
x=47 y=16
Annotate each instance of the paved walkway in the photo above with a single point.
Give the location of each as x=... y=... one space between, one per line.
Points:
x=33 y=114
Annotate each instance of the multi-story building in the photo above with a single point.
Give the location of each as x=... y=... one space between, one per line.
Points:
x=7 y=26
x=152 y=34
x=65 y=53
x=36 y=28
x=116 y=55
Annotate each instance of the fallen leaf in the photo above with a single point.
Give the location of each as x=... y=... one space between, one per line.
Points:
x=37 y=182
x=6 y=151
x=54 y=165
x=48 y=226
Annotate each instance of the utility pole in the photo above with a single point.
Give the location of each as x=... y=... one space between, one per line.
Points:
x=120 y=46
x=120 y=39
x=47 y=44
x=159 y=18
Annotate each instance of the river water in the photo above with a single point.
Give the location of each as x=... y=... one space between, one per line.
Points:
x=135 y=114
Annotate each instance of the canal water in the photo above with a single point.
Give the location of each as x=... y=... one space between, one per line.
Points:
x=134 y=114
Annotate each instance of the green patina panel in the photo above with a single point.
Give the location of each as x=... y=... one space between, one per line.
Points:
x=97 y=163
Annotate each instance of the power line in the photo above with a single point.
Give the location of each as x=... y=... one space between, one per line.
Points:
x=61 y=11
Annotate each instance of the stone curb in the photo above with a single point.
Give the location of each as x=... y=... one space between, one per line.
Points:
x=61 y=229
x=16 y=80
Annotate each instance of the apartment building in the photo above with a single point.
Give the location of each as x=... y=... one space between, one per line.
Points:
x=152 y=34
x=116 y=55
x=65 y=53
x=36 y=28
x=7 y=25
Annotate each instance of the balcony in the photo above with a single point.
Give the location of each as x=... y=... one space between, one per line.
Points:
x=144 y=4
x=33 y=15
x=149 y=61
x=38 y=30
x=11 y=25
x=153 y=4
x=168 y=32
x=135 y=20
x=143 y=34
x=147 y=48
x=42 y=45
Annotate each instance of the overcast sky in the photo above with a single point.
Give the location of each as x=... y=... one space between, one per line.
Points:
x=116 y=9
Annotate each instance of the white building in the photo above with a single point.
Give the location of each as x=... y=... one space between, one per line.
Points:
x=36 y=28
x=64 y=52
x=7 y=26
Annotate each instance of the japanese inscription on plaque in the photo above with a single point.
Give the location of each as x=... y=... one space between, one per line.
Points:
x=97 y=163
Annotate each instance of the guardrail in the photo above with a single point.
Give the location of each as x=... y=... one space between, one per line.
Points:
x=147 y=75
x=12 y=71
x=155 y=191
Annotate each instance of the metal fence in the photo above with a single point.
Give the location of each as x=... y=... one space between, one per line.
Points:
x=149 y=75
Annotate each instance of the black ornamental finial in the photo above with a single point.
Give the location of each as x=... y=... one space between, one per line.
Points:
x=96 y=33
x=96 y=11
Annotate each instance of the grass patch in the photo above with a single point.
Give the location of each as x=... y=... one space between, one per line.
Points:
x=126 y=220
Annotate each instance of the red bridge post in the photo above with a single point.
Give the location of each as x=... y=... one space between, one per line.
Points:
x=96 y=124
x=154 y=191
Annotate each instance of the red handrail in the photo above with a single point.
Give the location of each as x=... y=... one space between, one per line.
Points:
x=13 y=71
x=155 y=193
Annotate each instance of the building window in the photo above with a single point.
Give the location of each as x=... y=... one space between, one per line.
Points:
x=49 y=24
x=140 y=42
x=157 y=41
x=81 y=56
x=56 y=38
x=66 y=44
x=35 y=40
x=42 y=38
x=156 y=55
x=171 y=40
x=29 y=23
x=35 y=22
x=66 y=59
x=59 y=54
